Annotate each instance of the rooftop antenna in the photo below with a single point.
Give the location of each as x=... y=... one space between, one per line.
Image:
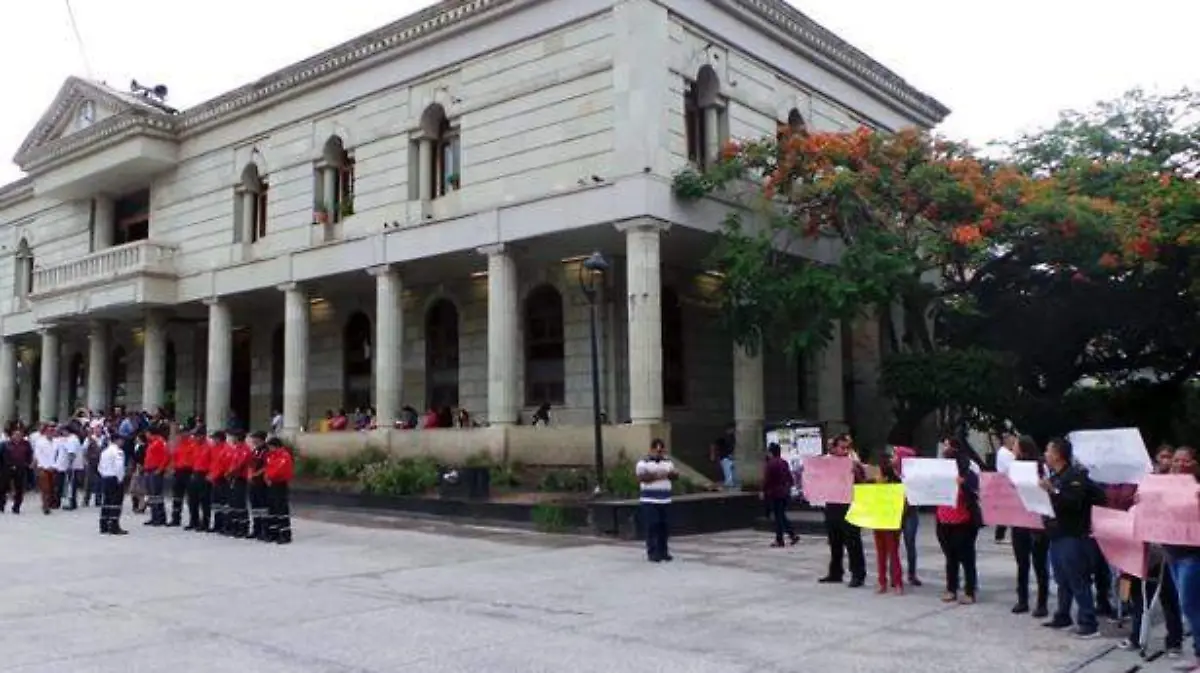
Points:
x=87 y=67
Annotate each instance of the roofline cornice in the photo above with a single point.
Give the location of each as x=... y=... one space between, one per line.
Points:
x=18 y=190
x=101 y=135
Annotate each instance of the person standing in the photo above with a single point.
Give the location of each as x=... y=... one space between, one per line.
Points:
x=45 y=461
x=279 y=471
x=840 y=534
x=777 y=492
x=18 y=464
x=92 y=447
x=910 y=523
x=154 y=466
x=887 y=542
x=218 y=465
x=722 y=452
x=1071 y=495
x=958 y=528
x=112 y=473
x=62 y=465
x=1031 y=548
x=655 y=474
x=199 y=489
x=240 y=455
x=1185 y=562
x=1005 y=455
x=181 y=479
x=258 y=485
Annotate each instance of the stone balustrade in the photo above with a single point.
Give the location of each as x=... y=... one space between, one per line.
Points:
x=131 y=259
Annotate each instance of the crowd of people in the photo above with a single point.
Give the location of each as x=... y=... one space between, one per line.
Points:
x=232 y=483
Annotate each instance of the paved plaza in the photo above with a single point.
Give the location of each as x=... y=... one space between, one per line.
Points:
x=370 y=594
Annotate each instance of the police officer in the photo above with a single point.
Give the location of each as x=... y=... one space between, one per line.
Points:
x=238 y=519
x=182 y=479
x=258 y=486
x=279 y=472
x=112 y=473
x=199 y=491
x=155 y=464
x=219 y=456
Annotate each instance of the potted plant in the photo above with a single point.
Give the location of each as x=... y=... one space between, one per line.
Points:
x=320 y=213
x=453 y=180
x=347 y=207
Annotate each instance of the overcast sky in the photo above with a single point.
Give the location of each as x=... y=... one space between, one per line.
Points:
x=1001 y=66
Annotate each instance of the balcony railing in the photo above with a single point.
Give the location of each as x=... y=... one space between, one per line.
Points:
x=131 y=259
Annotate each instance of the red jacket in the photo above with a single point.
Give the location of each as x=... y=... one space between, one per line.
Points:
x=185 y=453
x=239 y=460
x=218 y=459
x=157 y=456
x=280 y=466
x=201 y=455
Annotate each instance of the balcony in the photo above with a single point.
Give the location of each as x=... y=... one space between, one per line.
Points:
x=138 y=273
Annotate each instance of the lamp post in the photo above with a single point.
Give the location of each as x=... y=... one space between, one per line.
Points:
x=590 y=272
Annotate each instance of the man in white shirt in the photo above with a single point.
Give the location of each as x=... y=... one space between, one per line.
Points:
x=112 y=471
x=45 y=460
x=1005 y=456
x=76 y=470
x=656 y=474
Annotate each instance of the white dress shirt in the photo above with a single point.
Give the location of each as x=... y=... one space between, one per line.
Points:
x=75 y=448
x=43 y=452
x=62 y=454
x=1004 y=458
x=112 y=462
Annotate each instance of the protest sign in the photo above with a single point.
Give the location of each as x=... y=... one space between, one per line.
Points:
x=1114 y=533
x=1168 y=510
x=828 y=479
x=1002 y=506
x=877 y=506
x=1116 y=456
x=1026 y=477
x=930 y=481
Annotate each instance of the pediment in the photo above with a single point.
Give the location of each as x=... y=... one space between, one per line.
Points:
x=80 y=105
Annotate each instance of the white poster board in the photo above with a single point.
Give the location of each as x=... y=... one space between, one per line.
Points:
x=796 y=442
x=1116 y=456
x=1026 y=476
x=930 y=481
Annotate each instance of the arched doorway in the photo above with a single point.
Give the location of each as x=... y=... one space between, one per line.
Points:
x=240 y=379
x=441 y=355
x=357 y=362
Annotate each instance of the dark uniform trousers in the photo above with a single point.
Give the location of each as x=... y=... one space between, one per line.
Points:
x=12 y=479
x=199 y=499
x=847 y=537
x=279 y=514
x=155 y=485
x=220 y=505
x=238 y=519
x=110 y=511
x=179 y=489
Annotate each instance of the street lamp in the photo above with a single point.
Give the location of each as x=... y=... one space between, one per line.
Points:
x=590 y=273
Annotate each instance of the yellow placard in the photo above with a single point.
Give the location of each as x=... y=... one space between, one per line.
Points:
x=877 y=506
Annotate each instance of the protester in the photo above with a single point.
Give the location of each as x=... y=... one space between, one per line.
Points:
x=655 y=474
x=1031 y=547
x=777 y=491
x=841 y=535
x=1072 y=496
x=1004 y=457
x=887 y=542
x=958 y=528
x=911 y=521
x=1185 y=562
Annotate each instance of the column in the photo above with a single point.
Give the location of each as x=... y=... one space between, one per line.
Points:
x=220 y=364
x=103 y=223
x=643 y=281
x=503 y=337
x=97 y=381
x=831 y=386
x=295 y=358
x=425 y=176
x=8 y=381
x=389 y=344
x=712 y=135
x=329 y=191
x=48 y=396
x=246 y=230
x=154 y=361
x=749 y=412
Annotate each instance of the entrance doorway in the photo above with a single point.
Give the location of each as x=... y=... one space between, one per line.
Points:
x=239 y=379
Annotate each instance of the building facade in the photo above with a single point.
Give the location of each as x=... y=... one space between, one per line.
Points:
x=400 y=220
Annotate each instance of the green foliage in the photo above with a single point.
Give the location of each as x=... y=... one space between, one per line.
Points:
x=407 y=476
x=566 y=481
x=979 y=382
x=549 y=517
x=620 y=480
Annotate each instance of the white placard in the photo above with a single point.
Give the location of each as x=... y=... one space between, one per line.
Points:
x=1116 y=456
x=930 y=481
x=796 y=443
x=1027 y=478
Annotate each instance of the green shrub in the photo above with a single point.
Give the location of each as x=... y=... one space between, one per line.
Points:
x=620 y=479
x=565 y=481
x=407 y=476
x=504 y=476
x=355 y=463
x=549 y=518
x=481 y=459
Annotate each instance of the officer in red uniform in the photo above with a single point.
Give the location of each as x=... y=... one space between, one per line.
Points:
x=218 y=460
x=237 y=471
x=181 y=480
x=155 y=465
x=256 y=478
x=278 y=474
x=199 y=494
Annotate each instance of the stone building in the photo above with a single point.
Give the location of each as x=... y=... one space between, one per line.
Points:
x=400 y=221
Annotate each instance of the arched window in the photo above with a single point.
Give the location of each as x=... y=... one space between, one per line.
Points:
x=119 y=371
x=674 y=376
x=441 y=354
x=335 y=180
x=170 y=378
x=795 y=121
x=277 y=370
x=252 y=195
x=545 y=354
x=444 y=162
x=703 y=117
x=23 y=283
x=76 y=383
x=357 y=357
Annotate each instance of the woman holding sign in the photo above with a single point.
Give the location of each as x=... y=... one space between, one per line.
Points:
x=1030 y=547
x=1185 y=561
x=958 y=526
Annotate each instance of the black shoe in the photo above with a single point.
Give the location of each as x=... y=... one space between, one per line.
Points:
x=912 y=580
x=190 y=526
x=668 y=558
x=830 y=579
x=173 y=524
x=120 y=531
x=856 y=582
x=653 y=559
x=1020 y=608
x=793 y=539
x=1058 y=624
x=1040 y=612
x=284 y=540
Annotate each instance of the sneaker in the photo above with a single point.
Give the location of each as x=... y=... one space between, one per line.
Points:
x=967 y=600
x=793 y=539
x=949 y=597
x=1128 y=645
x=1058 y=624
x=1186 y=666
x=1086 y=634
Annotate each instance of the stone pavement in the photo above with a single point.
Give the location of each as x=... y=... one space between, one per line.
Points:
x=360 y=594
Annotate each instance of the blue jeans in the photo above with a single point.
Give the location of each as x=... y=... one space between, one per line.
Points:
x=729 y=472
x=1186 y=573
x=655 y=522
x=1072 y=562
x=909 y=526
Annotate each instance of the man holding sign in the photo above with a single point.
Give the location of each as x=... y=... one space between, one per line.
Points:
x=841 y=534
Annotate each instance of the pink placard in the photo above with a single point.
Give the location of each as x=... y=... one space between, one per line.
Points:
x=1114 y=532
x=1001 y=506
x=1168 y=510
x=828 y=479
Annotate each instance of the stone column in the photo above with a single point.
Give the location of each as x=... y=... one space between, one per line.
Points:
x=831 y=401
x=425 y=172
x=97 y=381
x=102 y=223
x=48 y=395
x=329 y=191
x=503 y=336
x=643 y=273
x=749 y=411
x=154 y=361
x=295 y=357
x=712 y=135
x=246 y=230
x=220 y=364
x=8 y=381
x=389 y=344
